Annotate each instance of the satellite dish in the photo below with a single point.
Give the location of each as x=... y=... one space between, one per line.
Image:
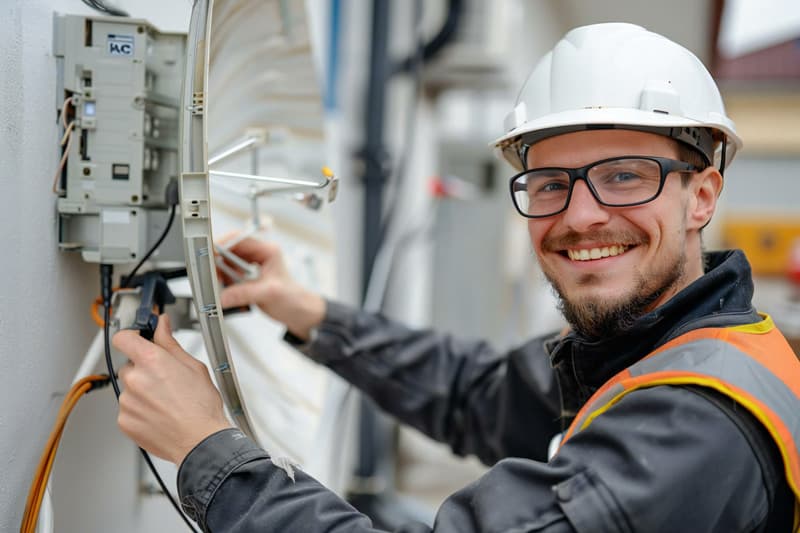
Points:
x=251 y=131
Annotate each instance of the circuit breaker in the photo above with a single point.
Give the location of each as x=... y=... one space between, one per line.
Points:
x=118 y=90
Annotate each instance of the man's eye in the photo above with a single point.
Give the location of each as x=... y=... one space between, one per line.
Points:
x=553 y=186
x=623 y=177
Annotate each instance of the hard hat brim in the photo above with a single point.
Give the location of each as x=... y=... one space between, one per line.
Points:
x=569 y=121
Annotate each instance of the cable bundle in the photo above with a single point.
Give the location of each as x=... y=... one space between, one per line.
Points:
x=105 y=9
x=37 y=490
x=65 y=144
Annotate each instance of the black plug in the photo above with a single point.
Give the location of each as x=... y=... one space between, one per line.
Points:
x=106 y=280
x=172 y=193
x=154 y=292
x=99 y=383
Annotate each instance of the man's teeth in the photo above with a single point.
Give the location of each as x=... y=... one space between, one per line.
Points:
x=587 y=254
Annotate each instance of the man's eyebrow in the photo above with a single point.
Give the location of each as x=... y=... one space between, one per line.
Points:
x=551 y=172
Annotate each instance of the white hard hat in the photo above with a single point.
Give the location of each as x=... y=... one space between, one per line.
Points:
x=622 y=76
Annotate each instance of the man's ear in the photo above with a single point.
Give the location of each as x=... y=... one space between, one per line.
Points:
x=704 y=190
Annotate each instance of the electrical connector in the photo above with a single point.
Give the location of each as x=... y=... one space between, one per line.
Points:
x=100 y=383
x=172 y=193
x=106 y=278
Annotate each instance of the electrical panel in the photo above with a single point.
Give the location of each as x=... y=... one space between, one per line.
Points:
x=118 y=90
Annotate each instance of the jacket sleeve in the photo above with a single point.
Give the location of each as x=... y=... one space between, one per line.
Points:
x=660 y=460
x=465 y=394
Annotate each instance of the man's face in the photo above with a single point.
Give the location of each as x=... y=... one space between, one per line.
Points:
x=646 y=254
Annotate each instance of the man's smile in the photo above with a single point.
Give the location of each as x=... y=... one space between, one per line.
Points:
x=589 y=254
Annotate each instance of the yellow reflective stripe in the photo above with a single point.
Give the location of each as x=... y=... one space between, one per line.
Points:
x=720 y=387
x=758 y=328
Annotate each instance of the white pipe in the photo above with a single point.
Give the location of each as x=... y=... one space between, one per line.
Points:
x=92 y=357
x=269 y=179
x=45 y=523
x=235 y=149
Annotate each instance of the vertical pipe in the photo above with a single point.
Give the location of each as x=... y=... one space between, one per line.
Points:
x=331 y=71
x=373 y=152
x=374 y=492
x=375 y=175
x=374 y=437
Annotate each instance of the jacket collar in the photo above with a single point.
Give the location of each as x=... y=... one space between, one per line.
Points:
x=721 y=297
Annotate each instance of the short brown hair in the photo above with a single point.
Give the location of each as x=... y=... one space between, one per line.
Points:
x=692 y=156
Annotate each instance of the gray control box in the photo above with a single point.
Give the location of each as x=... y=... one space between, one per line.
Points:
x=118 y=86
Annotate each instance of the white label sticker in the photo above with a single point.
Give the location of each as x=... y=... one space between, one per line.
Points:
x=121 y=216
x=120 y=45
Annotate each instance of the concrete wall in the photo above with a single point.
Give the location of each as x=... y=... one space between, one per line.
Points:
x=45 y=298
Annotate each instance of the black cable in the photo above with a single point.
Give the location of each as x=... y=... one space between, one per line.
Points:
x=423 y=52
x=106 y=275
x=396 y=184
x=127 y=279
x=98 y=5
x=106 y=280
x=101 y=7
x=171 y=198
x=447 y=33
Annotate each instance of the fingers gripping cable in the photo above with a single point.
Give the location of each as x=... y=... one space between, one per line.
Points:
x=148 y=324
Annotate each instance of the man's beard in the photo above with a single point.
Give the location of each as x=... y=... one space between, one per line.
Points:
x=596 y=319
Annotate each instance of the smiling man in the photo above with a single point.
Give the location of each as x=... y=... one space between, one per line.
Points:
x=679 y=403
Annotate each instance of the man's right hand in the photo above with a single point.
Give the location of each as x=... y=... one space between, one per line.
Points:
x=275 y=291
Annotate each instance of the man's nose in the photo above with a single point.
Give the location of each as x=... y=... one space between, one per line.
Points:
x=583 y=211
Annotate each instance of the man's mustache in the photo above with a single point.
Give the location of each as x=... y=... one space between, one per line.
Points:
x=571 y=239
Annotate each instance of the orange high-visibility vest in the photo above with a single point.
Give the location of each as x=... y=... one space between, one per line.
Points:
x=752 y=363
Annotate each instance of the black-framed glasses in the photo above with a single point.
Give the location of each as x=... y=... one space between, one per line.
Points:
x=615 y=182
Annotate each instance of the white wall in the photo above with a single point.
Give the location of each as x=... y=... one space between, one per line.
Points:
x=45 y=302
x=47 y=328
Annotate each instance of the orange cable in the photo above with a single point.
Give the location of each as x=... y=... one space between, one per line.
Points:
x=47 y=459
x=39 y=484
x=94 y=309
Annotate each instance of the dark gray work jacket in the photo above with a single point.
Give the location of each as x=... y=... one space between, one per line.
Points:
x=663 y=459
